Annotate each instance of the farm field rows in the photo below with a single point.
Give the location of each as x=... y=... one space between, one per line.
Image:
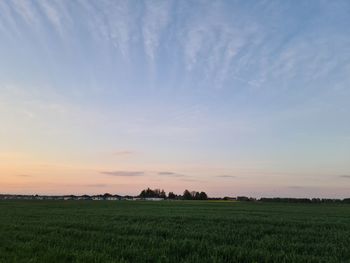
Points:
x=173 y=231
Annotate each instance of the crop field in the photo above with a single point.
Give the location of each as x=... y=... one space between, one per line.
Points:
x=173 y=231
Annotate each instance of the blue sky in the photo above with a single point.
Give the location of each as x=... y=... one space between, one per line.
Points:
x=230 y=97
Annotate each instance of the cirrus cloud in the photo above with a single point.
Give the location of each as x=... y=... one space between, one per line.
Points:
x=123 y=173
x=227 y=176
x=171 y=174
x=23 y=175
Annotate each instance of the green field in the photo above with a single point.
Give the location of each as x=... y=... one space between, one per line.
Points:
x=173 y=231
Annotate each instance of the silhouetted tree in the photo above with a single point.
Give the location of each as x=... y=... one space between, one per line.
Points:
x=162 y=194
x=187 y=195
x=203 y=196
x=156 y=193
x=171 y=195
x=242 y=198
x=107 y=195
x=196 y=196
x=193 y=194
x=148 y=193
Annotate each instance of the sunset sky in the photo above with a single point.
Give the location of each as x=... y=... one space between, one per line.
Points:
x=228 y=97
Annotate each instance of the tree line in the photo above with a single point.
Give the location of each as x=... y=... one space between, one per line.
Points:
x=304 y=200
x=194 y=195
x=187 y=195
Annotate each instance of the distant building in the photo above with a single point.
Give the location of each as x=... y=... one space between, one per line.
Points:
x=112 y=198
x=153 y=199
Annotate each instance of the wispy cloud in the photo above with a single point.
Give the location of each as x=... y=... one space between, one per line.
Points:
x=115 y=23
x=155 y=21
x=26 y=11
x=346 y=176
x=171 y=174
x=51 y=11
x=123 y=173
x=227 y=176
x=296 y=187
x=233 y=48
x=96 y=185
x=23 y=175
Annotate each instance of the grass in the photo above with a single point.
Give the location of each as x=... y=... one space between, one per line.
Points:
x=179 y=231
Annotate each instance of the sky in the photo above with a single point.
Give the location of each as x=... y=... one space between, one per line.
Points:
x=227 y=97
